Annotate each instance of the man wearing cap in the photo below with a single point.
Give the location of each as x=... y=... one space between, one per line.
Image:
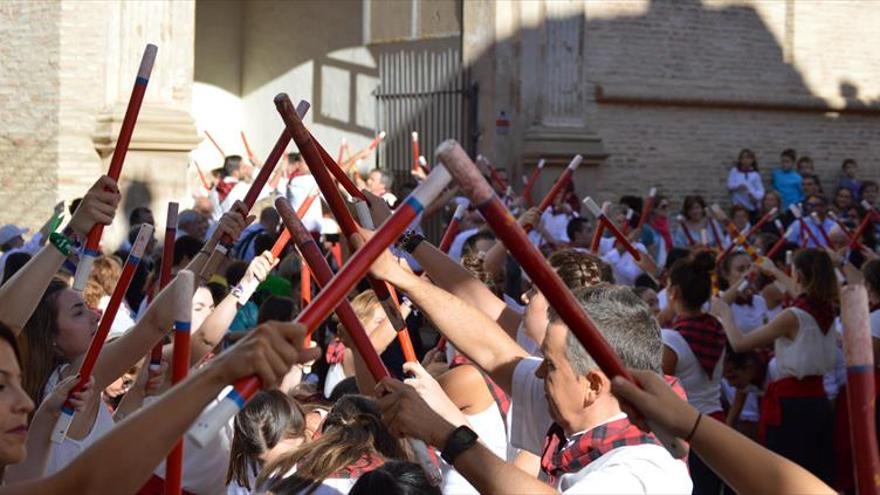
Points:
x=12 y=241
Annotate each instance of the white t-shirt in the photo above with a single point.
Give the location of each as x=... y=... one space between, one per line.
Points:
x=625 y=470
x=238 y=192
x=703 y=391
x=298 y=189
x=624 y=266
x=489 y=425
x=749 y=317
x=875 y=324
x=810 y=353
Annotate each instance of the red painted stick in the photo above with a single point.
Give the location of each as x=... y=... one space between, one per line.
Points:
x=205 y=183
x=452 y=228
x=247 y=148
x=646 y=208
x=686 y=230
x=866 y=222
x=215 y=143
x=821 y=228
x=763 y=220
x=842 y=226
x=737 y=239
x=601 y=217
x=305 y=286
x=804 y=229
x=100 y=337
x=415 y=150
x=313 y=158
x=179 y=370
x=561 y=183
x=781 y=242
x=253 y=193
x=474 y=186
x=715 y=233
x=340 y=175
x=90 y=252
x=860 y=387
x=165 y=274
x=629 y=215
x=334 y=292
x=596 y=244
x=284 y=238
x=530 y=183
x=342 y=147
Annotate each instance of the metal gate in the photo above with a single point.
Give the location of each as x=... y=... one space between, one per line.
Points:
x=422 y=87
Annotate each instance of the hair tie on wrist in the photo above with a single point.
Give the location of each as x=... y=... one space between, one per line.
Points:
x=694 y=429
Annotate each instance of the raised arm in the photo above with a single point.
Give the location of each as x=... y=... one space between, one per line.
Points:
x=470 y=330
x=454 y=278
x=268 y=351
x=743 y=464
x=212 y=330
x=21 y=294
x=784 y=325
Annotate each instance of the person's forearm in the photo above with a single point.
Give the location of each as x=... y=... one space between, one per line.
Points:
x=495 y=259
x=212 y=330
x=452 y=277
x=98 y=467
x=753 y=469
x=470 y=330
x=739 y=400
x=489 y=474
x=21 y=293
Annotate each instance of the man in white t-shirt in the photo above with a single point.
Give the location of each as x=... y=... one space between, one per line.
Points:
x=233 y=187
x=565 y=394
x=298 y=188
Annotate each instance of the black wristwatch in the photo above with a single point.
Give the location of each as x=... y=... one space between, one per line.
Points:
x=461 y=439
x=410 y=240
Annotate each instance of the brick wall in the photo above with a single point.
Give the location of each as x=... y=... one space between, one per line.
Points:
x=29 y=86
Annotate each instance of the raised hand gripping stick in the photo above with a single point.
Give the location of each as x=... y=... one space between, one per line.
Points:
x=87 y=260
x=761 y=222
x=547 y=281
x=100 y=337
x=738 y=238
x=334 y=292
x=253 y=193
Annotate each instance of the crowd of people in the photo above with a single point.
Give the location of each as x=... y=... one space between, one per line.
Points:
x=735 y=340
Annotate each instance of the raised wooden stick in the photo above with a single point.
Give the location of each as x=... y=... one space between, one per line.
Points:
x=737 y=239
x=530 y=183
x=215 y=143
x=165 y=276
x=686 y=230
x=452 y=228
x=475 y=187
x=599 y=231
x=204 y=180
x=561 y=183
x=59 y=433
x=647 y=207
x=804 y=228
x=415 y=151
x=179 y=370
x=763 y=220
x=715 y=233
x=821 y=229
x=253 y=193
x=248 y=150
x=93 y=242
x=860 y=386
x=603 y=218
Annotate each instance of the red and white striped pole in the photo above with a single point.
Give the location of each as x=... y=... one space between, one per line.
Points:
x=165 y=276
x=93 y=242
x=603 y=218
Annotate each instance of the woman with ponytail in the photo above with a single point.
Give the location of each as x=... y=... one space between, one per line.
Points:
x=693 y=349
x=796 y=416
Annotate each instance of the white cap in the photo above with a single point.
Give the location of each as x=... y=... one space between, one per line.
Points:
x=9 y=232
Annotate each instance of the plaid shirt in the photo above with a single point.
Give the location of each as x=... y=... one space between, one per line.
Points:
x=705 y=336
x=558 y=460
x=335 y=351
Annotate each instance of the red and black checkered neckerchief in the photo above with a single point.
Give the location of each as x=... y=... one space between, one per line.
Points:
x=821 y=311
x=502 y=400
x=367 y=462
x=705 y=336
x=223 y=187
x=558 y=460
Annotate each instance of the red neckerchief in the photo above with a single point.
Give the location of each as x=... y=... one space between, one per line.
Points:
x=335 y=352
x=705 y=336
x=661 y=225
x=223 y=188
x=365 y=464
x=821 y=311
x=873 y=307
x=558 y=460
x=502 y=400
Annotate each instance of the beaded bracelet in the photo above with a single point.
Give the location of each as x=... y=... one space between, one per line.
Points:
x=61 y=242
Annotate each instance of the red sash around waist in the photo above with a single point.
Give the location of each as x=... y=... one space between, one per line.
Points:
x=785 y=388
